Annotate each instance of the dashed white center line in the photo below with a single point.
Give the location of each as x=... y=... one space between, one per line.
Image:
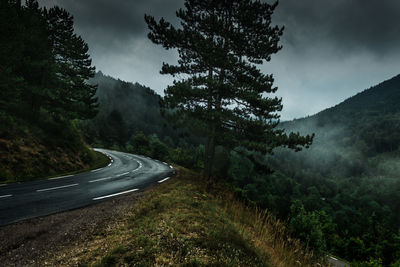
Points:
x=100 y=179
x=140 y=166
x=55 y=178
x=122 y=174
x=55 y=188
x=163 y=180
x=96 y=170
x=171 y=167
x=116 y=194
x=118 y=175
x=4 y=196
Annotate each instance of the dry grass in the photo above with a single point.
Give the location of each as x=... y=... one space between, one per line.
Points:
x=267 y=234
x=187 y=222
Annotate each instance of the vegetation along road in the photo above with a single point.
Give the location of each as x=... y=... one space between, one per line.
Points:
x=126 y=173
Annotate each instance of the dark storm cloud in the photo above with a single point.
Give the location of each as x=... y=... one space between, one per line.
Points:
x=117 y=36
x=332 y=49
x=119 y=19
x=349 y=25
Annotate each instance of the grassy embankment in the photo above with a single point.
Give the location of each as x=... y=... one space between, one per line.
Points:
x=45 y=148
x=182 y=223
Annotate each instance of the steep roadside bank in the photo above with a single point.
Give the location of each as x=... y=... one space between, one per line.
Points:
x=30 y=151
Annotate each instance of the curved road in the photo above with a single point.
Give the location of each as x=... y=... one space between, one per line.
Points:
x=126 y=173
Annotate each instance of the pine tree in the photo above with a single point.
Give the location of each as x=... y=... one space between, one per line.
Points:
x=11 y=49
x=73 y=96
x=27 y=58
x=220 y=45
x=44 y=65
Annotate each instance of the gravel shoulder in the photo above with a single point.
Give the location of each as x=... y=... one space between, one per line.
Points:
x=49 y=240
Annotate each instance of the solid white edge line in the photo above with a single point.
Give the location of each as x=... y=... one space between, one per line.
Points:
x=55 y=178
x=334 y=258
x=116 y=194
x=163 y=180
x=4 y=196
x=3 y=184
x=54 y=188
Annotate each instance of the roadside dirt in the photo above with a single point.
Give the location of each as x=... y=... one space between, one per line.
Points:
x=51 y=240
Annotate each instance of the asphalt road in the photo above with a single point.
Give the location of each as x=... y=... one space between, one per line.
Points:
x=334 y=262
x=125 y=174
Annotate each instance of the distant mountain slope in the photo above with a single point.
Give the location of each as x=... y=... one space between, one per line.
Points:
x=382 y=98
x=360 y=136
x=125 y=109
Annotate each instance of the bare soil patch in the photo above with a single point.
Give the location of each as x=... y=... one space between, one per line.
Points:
x=42 y=241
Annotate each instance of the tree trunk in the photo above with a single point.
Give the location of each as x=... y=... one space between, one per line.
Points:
x=210 y=142
x=209 y=154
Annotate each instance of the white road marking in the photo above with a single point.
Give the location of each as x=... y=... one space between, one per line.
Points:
x=5 y=196
x=55 y=178
x=118 y=175
x=140 y=166
x=171 y=167
x=54 y=188
x=96 y=170
x=334 y=258
x=3 y=184
x=116 y=194
x=165 y=163
x=163 y=180
x=100 y=179
x=109 y=165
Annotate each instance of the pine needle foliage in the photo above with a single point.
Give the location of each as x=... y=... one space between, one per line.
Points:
x=221 y=45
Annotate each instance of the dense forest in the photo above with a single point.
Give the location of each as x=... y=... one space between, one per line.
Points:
x=340 y=195
x=335 y=196
x=43 y=89
x=130 y=119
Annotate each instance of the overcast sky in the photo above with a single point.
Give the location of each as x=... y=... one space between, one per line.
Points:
x=332 y=49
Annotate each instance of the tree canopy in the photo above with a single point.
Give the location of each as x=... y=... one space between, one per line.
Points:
x=221 y=45
x=45 y=65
